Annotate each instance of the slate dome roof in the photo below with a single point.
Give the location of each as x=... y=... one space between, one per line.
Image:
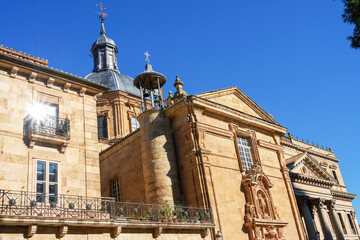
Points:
x=115 y=81
x=103 y=40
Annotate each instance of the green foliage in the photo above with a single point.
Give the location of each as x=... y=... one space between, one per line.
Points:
x=66 y=126
x=352 y=16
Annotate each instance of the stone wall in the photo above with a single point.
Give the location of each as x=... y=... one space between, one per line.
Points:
x=78 y=166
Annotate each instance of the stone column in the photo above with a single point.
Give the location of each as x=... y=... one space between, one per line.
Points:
x=158 y=158
x=304 y=205
x=338 y=228
x=324 y=219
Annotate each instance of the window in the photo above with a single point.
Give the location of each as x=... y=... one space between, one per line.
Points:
x=102 y=127
x=351 y=224
x=46 y=181
x=335 y=176
x=134 y=124
x=114 y=188
x=245 y=153
x=342 y=223
x=102 y=60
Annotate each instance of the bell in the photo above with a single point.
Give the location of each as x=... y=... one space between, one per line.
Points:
x=146 y=93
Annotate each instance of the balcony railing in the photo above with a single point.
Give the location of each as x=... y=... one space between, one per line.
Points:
x=22 y=203
x=48 y=125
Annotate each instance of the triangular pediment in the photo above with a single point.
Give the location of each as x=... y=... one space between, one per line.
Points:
x=234 y=98
x=304 y=165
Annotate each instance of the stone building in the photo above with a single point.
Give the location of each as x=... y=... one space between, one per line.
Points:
x=49 y=157
x=107 y=157
x=219 y=149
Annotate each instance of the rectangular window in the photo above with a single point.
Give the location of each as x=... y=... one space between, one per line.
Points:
x=102 y=127
x=245 y=153
x=46 y=181
x=335 y=176
x=114 y=187
x=342 y=223
x=351 y=224
x=134 y=124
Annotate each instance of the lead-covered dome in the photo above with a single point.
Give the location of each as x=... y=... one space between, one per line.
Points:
x=105 y=70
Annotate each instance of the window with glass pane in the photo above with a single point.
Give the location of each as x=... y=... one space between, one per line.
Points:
x=47 y=181
x=53 y=182
x=115 y=189
x=134 y=124
x=41 y=181
x=102 y=127
x=245 y=153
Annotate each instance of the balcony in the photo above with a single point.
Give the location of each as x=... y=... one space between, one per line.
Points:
x=28 y=208
x=48 y=129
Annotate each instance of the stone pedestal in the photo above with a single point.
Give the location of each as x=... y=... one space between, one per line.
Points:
x=159 y=160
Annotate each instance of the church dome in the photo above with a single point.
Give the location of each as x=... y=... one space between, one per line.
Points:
x=115 y=81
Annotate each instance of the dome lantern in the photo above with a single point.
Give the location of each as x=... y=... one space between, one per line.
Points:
x=150 y=84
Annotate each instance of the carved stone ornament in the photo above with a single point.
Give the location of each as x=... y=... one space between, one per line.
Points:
x=261 y=216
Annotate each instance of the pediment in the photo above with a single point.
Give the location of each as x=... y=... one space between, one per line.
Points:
x=304 y=165
x=234 y=98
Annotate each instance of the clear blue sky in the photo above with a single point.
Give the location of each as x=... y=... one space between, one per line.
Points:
x=291 y=57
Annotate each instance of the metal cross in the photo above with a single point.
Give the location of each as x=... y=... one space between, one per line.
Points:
x=101 y=13
x=147 y=57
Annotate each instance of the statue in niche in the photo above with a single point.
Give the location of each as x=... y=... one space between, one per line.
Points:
x=262 y=205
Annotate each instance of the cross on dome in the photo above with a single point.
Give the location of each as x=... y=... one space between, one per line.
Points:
x=147 y=57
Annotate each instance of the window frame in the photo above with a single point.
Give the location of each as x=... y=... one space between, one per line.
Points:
x=105 y=116
x=115 y=194
x=47 y=173
x=245 y=151
x=249 y=134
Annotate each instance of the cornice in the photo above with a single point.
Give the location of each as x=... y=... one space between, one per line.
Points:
x=30 y=67
x=343 y=195
x=310 y=180
x=302 y=149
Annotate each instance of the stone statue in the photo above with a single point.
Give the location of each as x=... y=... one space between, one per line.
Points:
x=262 y=205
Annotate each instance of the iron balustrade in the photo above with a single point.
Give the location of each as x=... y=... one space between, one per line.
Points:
x=23 y=203
x=48 y=126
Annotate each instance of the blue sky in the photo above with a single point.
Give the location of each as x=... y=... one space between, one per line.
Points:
x=291 y=57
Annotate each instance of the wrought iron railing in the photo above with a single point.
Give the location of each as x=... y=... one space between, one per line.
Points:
x=22 y=203
x=48 y=126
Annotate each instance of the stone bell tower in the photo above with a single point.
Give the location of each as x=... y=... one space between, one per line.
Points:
x=158 y=153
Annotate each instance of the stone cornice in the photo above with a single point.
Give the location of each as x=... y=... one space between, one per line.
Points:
x=302 y=149
x=343 y=196
x=310 y=180
x=45 y=72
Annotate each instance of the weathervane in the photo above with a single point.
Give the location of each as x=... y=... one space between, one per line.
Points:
x=147 y=57
x=101 y=13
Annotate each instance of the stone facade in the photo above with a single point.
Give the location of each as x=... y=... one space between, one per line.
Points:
x=324 y=203
x=49 y=161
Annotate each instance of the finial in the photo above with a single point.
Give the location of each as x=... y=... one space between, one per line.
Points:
x=147 y=60
x=101 y=13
